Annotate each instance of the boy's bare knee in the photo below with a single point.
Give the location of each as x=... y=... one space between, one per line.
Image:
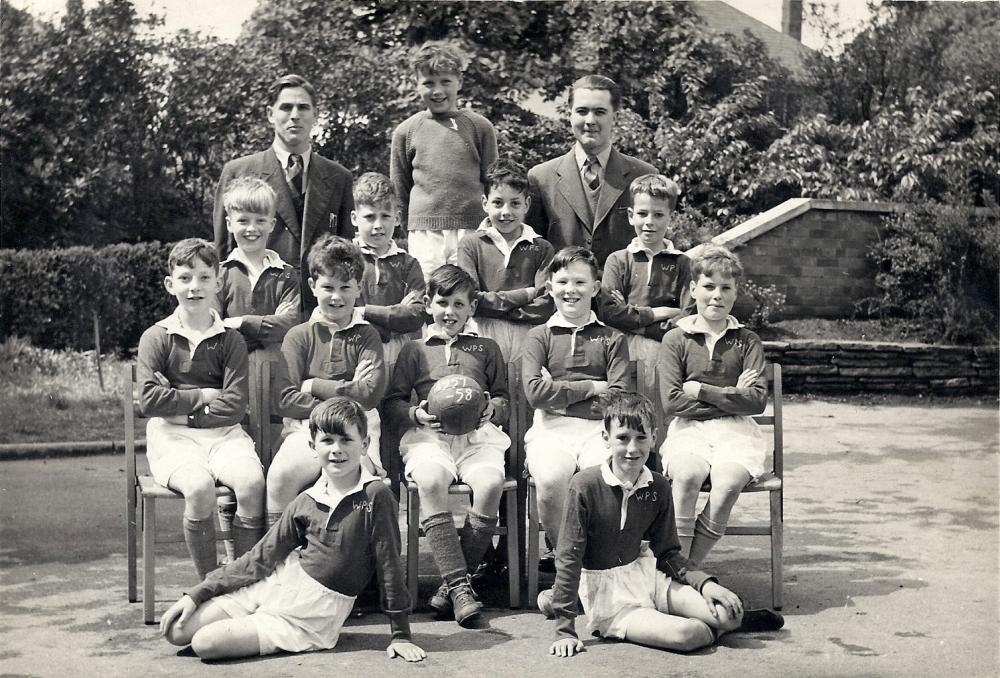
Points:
x=204 y=645
x=695 y=634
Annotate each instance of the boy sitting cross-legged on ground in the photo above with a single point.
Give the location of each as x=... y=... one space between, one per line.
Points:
x=192 y=374
x=335 y=352
x=392 y=288
x=438 y=160
x=295 y=588
x=568 y=363
x=634 y=591
x=434 y=459
x=711 y=380
x=649 y=274
x=508 y=260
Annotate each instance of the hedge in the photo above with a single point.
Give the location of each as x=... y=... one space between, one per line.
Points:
x=50 y=296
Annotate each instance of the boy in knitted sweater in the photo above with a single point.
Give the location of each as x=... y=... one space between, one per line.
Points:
x=439 y=159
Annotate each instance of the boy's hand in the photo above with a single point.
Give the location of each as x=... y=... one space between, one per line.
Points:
x=161 y=380
x=597 y=388
x=411 y=297
x=747 y=379
x=691 y=388
x=566 y=647
x=178 y=613
x=618 y=297
x=546 y=375
x=487 y=414
x=424 y=418
x=364 y=372
x=406 y=650
x=717 y=594
x=233 y=322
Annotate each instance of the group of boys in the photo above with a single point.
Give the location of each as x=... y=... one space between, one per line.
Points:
x=494 y=292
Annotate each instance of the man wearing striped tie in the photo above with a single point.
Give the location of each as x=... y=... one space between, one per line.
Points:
x=313 y=193
x=582 y=198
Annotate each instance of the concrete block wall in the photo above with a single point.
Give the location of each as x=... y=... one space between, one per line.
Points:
x=815 y=251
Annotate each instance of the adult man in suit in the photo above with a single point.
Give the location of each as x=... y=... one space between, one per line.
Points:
x=581 y=198
x=314 y=193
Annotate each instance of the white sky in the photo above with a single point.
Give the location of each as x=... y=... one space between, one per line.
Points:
x=223 y=18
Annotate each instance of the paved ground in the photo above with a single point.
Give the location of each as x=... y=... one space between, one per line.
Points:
x=891 y=559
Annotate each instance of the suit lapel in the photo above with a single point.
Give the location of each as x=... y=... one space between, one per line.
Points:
x=571 y=187
x=318 y=192
x=272 y=172
x=616 y=180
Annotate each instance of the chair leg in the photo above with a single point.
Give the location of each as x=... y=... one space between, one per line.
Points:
x=412 y=542
x=148 y=558
x=777 y=593
x=531 y=561
x=131 y=546
x=513 y=551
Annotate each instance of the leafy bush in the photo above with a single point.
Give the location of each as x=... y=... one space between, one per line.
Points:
x=768 y=303
x=50 y=297
x=938 y=270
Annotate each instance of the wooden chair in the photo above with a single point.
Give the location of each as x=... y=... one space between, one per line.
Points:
x=143 y=489
x=637 y=371
x=510 y=506
x=771 y=482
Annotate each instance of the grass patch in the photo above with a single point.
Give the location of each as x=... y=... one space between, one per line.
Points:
x=55 y=396
x=844 y=330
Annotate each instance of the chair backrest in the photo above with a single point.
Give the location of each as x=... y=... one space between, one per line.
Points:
x=520 y=418
x=772 y=372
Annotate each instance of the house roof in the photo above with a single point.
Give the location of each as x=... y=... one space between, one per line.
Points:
x=723 y=18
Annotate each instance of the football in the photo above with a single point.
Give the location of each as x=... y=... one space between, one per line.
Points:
x=458 y=402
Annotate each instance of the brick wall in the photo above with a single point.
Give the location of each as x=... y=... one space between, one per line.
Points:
x=815 y=251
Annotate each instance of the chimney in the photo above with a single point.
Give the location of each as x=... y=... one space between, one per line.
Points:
x=791 y=18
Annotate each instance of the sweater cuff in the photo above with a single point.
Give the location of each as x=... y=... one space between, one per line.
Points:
x=399 y=622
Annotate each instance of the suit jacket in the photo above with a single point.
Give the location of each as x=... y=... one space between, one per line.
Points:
x=328 y=205
x=559 y=210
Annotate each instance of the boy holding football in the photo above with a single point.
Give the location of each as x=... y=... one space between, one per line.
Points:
x=438 y=451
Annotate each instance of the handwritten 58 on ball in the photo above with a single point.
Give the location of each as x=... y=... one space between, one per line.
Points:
x=458 y=402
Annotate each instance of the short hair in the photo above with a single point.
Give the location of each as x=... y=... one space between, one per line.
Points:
x=286 y=81
x=336 y=257
x=249 y=194
x=711 y=259
x=629 y=409
x=189 y=250
x=597 y=82
x=336 y=415
x=656 y=186
x=373 y=188
x=507 y=172
x=570 y=255
x=449 y=279
x=438 y=57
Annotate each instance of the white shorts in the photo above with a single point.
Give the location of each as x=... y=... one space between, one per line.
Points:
x=296 y=441
x=290 y=610
x=458 y=455
x=435 y=248
x=734 y=439
x=561 y=437
x=171 y=446
x=611 y=596
x=509 y=335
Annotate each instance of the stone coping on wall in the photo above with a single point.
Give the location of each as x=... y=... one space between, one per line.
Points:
x=827 y=366
x=774 y=217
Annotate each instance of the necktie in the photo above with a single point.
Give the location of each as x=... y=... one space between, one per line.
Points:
x=293 y=173
x=590 y=176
